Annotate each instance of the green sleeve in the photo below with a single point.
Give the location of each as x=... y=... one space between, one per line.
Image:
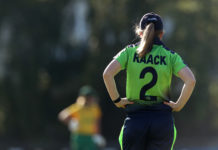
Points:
x=122 y=58
x=177 y=63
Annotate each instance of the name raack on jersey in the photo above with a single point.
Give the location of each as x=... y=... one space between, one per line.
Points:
x=156 y=60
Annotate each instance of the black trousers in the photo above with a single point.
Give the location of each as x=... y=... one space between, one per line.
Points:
x=149 y=129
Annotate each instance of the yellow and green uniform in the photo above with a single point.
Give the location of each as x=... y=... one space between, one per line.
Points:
x=87 y=117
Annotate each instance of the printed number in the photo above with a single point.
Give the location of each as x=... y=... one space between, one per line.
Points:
x=149 y=85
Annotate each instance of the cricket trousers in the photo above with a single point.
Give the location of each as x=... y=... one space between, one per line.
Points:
x=148 y=129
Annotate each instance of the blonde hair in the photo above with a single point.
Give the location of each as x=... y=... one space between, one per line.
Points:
x=147 y=39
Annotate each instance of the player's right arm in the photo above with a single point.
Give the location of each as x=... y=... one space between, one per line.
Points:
x=189 y=83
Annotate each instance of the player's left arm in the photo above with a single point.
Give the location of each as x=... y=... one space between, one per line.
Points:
x=189 y=83
x=109 y=73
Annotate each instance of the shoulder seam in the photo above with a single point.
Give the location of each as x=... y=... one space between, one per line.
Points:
x=168 y=49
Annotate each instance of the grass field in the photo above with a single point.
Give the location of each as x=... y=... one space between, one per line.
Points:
x=206 y=143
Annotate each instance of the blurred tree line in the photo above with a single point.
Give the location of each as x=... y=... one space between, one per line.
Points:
x=50 y=48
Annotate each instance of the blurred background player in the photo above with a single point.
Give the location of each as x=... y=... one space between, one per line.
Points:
x=83 y=120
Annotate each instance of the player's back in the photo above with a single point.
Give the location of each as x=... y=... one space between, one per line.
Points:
x=149 y=77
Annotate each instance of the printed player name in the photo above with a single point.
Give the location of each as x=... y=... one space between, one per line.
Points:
x=156 y=60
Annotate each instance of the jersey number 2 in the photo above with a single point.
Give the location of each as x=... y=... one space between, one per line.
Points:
x=149 y=85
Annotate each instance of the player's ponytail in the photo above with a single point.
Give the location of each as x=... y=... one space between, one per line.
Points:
x=146 y=40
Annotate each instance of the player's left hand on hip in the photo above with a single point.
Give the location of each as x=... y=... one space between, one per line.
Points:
x=123 y=103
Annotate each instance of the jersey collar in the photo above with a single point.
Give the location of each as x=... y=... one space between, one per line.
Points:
x=157 y=41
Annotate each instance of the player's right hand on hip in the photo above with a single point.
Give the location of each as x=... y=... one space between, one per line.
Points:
x=124 y=101
x=175 y=106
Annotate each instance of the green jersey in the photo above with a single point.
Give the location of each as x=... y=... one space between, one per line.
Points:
x=149 y=78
